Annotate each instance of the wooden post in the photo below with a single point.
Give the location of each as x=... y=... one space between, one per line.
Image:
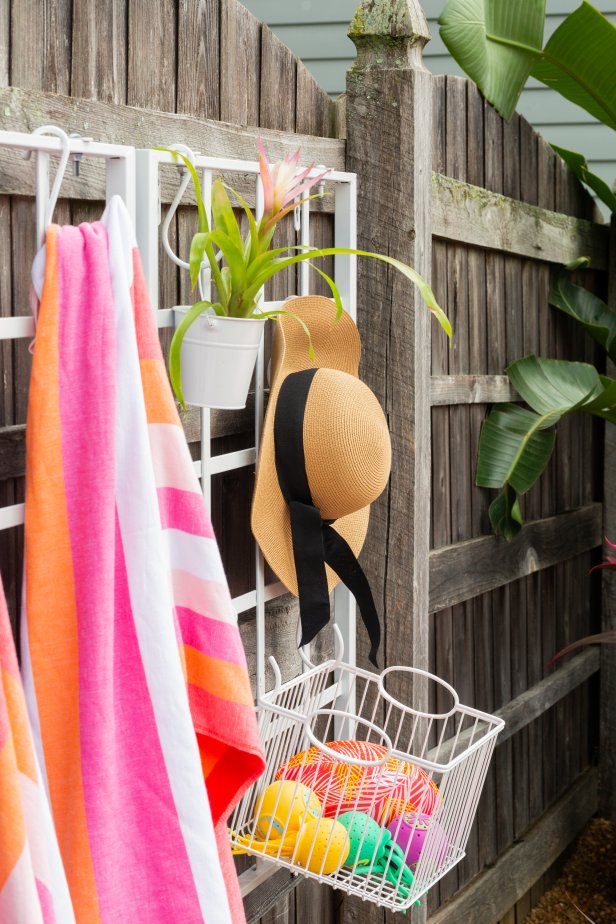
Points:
x=607 y=763
x=389 y=146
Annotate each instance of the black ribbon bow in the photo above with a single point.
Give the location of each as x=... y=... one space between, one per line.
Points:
x=315 y=541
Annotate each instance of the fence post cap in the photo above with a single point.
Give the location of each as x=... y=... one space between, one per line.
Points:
x=380 y=21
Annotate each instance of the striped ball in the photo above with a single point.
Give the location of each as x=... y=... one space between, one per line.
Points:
x=382 y=791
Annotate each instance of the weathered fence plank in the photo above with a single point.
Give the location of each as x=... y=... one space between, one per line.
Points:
x=466 y=569
x=392 y=158
x=471 y=389
x=462 y=212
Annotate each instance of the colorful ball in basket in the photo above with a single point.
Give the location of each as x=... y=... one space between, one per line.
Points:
x=367 y=840
x=382 y=791
x=322 y=846
x=410 y=830
x=283 y=807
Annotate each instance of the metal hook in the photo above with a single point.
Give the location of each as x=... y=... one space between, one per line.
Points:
x=43 y=196
x=204 y=275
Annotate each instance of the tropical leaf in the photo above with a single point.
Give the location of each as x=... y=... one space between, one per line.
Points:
x=578 y=165
x=515 y=445
x=553 y=387
x=424 y=289
x=587 y=309
x=607 y=637
x=513 y=448
x=223 y=216
x=497 y=43
x=578 y=62
x=505 y=514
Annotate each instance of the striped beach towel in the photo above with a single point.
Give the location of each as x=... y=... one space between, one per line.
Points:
x=33 y=887
x=134 y=669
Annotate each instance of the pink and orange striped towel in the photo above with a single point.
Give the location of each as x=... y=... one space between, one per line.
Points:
x=33 y=887
x=136 y=677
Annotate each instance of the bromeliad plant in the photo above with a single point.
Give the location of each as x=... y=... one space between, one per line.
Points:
x=240 y=265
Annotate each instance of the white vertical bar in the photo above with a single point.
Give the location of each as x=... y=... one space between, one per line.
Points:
x=42 y=195
x=147 y=218
x=205 y=415
x=304 y=269
x=345 y=235
x=120 y=180
x=259 y=562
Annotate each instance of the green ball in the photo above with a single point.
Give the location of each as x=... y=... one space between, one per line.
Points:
x=366 y=837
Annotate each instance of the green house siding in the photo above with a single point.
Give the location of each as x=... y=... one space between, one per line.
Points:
x=316 y=31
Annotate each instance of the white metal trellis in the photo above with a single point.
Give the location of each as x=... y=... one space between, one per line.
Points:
x=120 y=180
x=148 y=221
x=149 y=218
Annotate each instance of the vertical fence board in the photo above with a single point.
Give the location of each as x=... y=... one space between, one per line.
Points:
x=152 y=54
x=99 y=61
x=240 y=64
x=198 y=89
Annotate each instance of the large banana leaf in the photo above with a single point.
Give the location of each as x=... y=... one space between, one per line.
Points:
x=499 y=45
x=578 y=164
x=587 y=309
x=496 y=42
x=578 y=62
x=514 y=447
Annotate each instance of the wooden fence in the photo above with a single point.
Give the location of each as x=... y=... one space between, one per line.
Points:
x=482 y=207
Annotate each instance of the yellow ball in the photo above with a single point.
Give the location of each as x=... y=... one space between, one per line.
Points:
x=323 y=845
x=283 y=807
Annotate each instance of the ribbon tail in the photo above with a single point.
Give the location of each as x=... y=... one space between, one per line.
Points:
x=340 y=557
x=307 y=536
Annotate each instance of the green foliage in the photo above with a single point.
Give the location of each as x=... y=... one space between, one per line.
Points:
x=496 y=43
x=499 y=45
x=514 y=447
x=578 y=165
x=241 y=265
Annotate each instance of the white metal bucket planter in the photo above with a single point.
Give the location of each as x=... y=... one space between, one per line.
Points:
x=392 y=775
x=218 y=359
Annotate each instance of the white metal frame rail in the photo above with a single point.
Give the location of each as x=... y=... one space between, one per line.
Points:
x=345 y=235
x=120 y=180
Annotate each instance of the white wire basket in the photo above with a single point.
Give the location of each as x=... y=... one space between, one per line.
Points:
x=362 y=791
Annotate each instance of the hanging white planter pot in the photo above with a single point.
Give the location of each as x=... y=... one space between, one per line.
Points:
x=218 y=358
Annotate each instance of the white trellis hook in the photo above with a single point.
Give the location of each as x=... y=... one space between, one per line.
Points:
x=45 y=200
x=204 y=275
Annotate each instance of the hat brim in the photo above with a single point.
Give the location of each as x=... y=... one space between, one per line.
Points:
x=337 y=346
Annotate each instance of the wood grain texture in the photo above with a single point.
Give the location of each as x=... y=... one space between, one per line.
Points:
x=151 y=55
x=393 y=160
x=277 y=99
x=240 y=62
x=99 y=50
x=198 y=78
x=23 y=111
x=471 y=389
x=466 y=569
x=462 y=212
x=496 y=891
x=40 y=56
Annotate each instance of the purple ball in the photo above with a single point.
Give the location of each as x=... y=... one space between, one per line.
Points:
x=410 y=830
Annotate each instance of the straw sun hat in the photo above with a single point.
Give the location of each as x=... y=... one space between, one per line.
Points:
x=325 y=456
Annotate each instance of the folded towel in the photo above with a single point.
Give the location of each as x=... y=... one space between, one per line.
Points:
x=33 y=887
x=138 y=682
